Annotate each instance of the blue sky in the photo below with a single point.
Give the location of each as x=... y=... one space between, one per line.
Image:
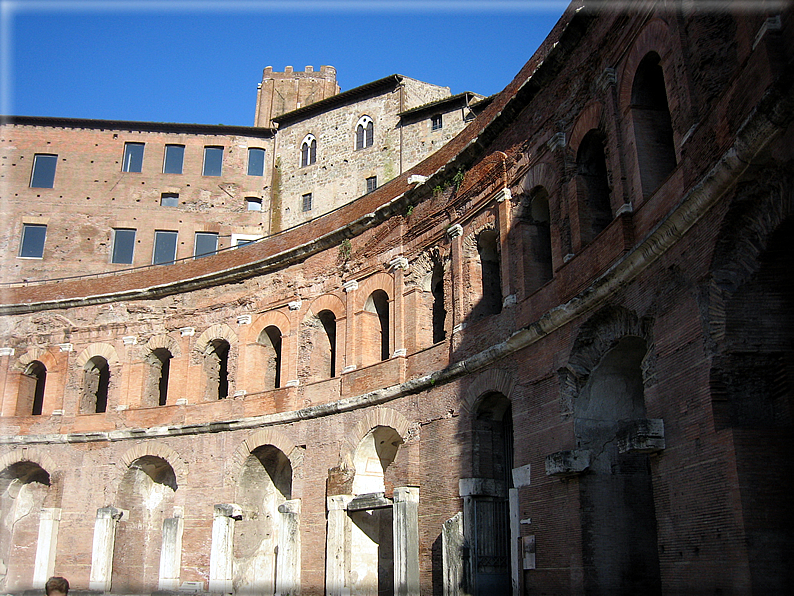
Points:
x=200 y=61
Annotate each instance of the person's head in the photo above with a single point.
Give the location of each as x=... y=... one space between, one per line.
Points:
x=56 y=586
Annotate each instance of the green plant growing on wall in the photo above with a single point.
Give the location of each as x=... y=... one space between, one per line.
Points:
x=409 y=210
x=345 y=250
x=457 y=179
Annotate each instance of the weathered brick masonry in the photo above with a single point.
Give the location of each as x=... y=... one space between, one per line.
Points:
x=568 y=330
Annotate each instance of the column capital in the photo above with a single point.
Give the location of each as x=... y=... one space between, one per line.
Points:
x=350 y=286
x=399 y=263
x=455 y=230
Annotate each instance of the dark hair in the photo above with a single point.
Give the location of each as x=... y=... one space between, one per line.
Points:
x=57 y=584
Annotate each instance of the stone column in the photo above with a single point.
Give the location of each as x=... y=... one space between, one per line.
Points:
x=455 y=233
x=351 y=349
x=515 y=536
x=49 y=521
x=505 y=210
x=452 y=548
x=337 y=548
x=406 y=541
x=399 y=266
x=171 y=553
x=288 y=559
x=222 y=550
x=102 y=552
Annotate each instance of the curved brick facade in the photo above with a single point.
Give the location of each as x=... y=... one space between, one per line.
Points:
x=514 y=364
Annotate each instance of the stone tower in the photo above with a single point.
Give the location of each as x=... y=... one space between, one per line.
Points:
x=282 y=92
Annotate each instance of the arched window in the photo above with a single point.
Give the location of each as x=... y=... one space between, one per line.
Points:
x=308 y=151
x=160 y=367
x=270 y=339
x=591 y=167
x=376 y=326
x=653 y=128
x=439 y=311
x=96 y=382
x=328 y=321
x=488 y=250
x=364 y=132
x=536 y=239
x=216 y=366
x=31 y=389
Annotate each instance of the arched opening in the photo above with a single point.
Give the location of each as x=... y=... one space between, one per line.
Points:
x=308 y=151
x=618 y=517
x=23 y=489
x=328 y=349
x=31 y=389
x=372 y=543
x=653 y=127
x=593 y=185
x=96 y=383
x=537 y=240
x=488 y=509
x=491 y=276
x=439 y=310
x=270 y=340
x=216 y=367
x=159 y=361
x=753 y=399
x=146 y=492
x=375 y=338
x=364 y=132
x=265 y=482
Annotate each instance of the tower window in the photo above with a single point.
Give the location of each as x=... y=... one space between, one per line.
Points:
x=308 y=151
x=133 y=157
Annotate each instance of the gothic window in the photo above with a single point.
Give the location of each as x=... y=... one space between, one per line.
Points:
x=308 y=151
x=364 y=132
x=653 y=128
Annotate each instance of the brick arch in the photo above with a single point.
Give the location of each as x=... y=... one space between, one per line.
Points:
x=271 y=317
x=330 y=302
x=262 y=437
x=495 y=380
x=379 y=281
x=155 y=449
x=31 y=454
x=757 y=209
x=107 y=351
x=655 y=37
x=164 y=341
x=599 y=334
x=541 y=174
x=40 y=354
x=217 y=331
x=373 y=418
x=469 y=244
x=588 y=119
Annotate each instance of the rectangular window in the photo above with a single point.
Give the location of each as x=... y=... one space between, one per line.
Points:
x=253 y=203
x=133 y=157
x=307 y=202
x=372 y=184
x=43 y=174
x=164 y=247
x=169 y=199
x=174 y=158
x=256 y=161
x=436 y=122
x=213 y=161
x=243 y=239
x=32 y=245
x=206 y=244
x=123 y=246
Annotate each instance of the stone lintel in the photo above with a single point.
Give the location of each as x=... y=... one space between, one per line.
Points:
x=568 y=463
x=368 y=501
x=642 y=436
